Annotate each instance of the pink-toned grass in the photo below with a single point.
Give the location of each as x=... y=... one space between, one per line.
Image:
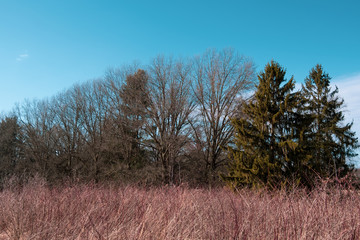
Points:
x=88 y=211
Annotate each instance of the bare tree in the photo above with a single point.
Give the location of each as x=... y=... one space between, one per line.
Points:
x=93 y=103
x=168 y=111
x=69 y=131
x=220 y=78
x=113 y=83
x=37 y=121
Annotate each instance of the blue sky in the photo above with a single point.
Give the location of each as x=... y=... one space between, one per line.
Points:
x=47 y=46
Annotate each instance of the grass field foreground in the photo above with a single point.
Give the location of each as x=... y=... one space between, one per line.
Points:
x=90 y=211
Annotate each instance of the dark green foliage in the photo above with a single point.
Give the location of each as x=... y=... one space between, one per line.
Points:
x=287 y=137
x=10 y=144
x=265 y=139
x=134 y=102
x=330 y=142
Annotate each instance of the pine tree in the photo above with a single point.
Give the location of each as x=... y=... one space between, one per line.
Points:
x=134 y=101
x=10 y=146
x=330 y=142
x=265 y=137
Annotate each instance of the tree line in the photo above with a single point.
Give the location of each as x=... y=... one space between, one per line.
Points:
x=193 y=121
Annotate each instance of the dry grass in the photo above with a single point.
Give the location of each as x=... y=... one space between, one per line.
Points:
x=95 y=212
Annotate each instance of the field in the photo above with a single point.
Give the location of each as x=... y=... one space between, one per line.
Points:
x=90 y=211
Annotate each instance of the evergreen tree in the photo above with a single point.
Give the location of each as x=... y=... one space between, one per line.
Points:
x=330 y=142
x=10 y=146
x=266 y=138
x=134 y=102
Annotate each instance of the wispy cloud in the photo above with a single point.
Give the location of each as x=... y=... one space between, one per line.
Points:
x=22 y=57
x=349 y=90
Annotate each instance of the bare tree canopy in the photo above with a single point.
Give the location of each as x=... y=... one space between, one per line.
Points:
x=220 y=79
x=170 y=107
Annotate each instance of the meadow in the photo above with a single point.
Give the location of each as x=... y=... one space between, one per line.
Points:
x=93 y=211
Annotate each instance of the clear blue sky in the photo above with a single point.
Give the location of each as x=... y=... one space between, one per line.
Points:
x=46 y=46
